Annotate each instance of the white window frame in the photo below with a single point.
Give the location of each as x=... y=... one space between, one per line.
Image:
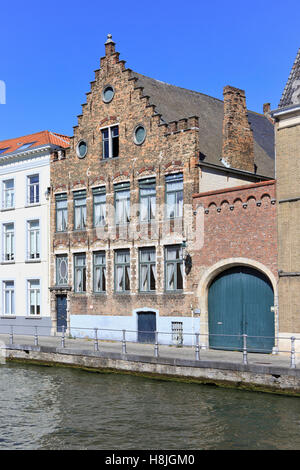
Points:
x=36 y=193
x=37 y=240
x=8 y=255
x=5 y=191
x=110 y=140
x=37 y=295
x=11 y=291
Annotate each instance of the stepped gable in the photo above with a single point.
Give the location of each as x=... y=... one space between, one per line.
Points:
x=291 y=92
x=174 y=103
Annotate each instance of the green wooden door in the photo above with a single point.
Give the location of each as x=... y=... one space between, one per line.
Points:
x=239 y=302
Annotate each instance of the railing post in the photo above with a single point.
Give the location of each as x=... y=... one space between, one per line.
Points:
x=63 y=337
x=11 y=335
x=197 y=350
x=156 y=353
x=96 y=344
x=124 y=342
x=245 y=355
x=293 y=357
x=36 y=339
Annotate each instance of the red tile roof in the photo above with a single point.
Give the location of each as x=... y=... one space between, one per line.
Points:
x=37 y=140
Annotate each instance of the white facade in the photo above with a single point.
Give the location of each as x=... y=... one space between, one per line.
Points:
x=24 y=248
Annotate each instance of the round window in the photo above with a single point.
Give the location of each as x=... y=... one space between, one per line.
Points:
x=81 y=149
x=139 y=135
x=108 y=94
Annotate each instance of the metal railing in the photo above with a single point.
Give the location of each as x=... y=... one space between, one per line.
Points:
x=127 y=336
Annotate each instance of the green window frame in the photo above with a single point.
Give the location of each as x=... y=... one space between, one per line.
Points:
x=174 y=268
x=147 y=193
x=61 y=270
x=99 y=273
x=147 y=269
x=79 y=210
x=99 y=207
x=79 y=272
x=174 y=195
x=122 y=203
x=122 y=270
x=61 y=212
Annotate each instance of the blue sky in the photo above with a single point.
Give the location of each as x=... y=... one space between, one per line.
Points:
x=49 y=51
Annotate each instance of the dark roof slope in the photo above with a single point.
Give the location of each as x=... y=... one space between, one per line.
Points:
x=174 y=103
x=291 y=92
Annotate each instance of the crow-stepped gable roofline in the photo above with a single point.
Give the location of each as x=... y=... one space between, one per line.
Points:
x=179 y=109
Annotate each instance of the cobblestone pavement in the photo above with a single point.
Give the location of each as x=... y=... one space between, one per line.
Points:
x=184 y=352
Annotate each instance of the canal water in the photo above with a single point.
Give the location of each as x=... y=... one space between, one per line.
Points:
x=59 y=408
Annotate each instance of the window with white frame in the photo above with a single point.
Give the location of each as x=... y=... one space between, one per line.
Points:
x=110 y=142
x=8 y=194
x=33 y=239
x=8 y=242
x=34 y=294
x=33 y=189
x=8 y=298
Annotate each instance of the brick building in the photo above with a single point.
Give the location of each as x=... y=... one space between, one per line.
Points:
x=123 y=228
x=287 y=141
x=238 y=252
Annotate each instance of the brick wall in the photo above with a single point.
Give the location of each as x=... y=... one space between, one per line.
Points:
x=238 y=223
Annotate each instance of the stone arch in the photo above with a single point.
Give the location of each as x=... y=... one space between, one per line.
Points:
x=211 y=273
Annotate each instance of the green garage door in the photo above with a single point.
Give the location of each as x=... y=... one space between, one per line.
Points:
x=239 y=302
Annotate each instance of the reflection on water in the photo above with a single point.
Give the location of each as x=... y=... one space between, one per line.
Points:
x=57 y=408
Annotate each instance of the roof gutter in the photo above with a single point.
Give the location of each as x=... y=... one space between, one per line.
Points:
x=235 y=171
x=12 y=155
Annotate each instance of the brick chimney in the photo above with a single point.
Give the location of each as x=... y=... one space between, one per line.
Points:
x=109 y=46
x=238 y=142
x=266 y=108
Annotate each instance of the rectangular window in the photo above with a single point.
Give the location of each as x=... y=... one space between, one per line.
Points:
x=174 y=268
x=147 y=259
x=79 y=210
x=62 y=270
x=61 y=210
x=99 y=206
x=147 y=200
x=99 y=272
x=8 y=298
x=174 y=195
x=122 y=271
x=33 y=243
x=122 y=203
x=110 y=142
x=177 y=332
x=33 y=189
x=79 y=273
x=34 y=306
x=8 y=242
x=8 y=195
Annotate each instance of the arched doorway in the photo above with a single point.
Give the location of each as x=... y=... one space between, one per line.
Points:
x=240 y=301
